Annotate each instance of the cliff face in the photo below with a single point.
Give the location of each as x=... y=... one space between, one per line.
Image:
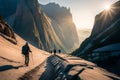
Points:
x=105 y=30
x=105 y=19
x=63 y=24
x=103 y=45
x=31 y=23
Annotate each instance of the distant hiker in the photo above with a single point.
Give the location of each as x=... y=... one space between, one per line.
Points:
x=25 y=52
x=59 y=51
x=54 y=51
x=51 y=51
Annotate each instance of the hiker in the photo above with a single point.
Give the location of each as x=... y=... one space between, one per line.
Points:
x=25 y=52
x=59 y=51
x=51 y=51
x=54 y=51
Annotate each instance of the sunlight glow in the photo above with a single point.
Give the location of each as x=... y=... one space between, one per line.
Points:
x=107 y=7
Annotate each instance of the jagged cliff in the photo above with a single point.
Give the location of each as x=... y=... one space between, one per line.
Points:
x=31 y=23
x=103 y=45
x=62 y=18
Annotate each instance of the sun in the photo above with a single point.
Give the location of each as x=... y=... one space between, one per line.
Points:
x=107 y=7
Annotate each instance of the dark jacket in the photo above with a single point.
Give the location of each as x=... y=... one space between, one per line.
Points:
x=25 y=49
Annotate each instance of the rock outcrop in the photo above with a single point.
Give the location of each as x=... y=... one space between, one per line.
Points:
x=6 y=31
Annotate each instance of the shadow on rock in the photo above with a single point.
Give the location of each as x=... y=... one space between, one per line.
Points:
x=75 y=76
x=48 y=74
x=8 y=67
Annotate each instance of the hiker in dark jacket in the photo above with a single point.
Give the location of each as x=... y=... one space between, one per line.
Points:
x=59 y=51
x=25 y=52
x=54 y=51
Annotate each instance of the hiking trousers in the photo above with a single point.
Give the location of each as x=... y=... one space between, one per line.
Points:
x=26 y=59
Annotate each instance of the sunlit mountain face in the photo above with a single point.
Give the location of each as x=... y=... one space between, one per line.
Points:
x=40 y=28
x=62 y=18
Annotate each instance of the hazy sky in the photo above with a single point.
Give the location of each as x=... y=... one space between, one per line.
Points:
x=83 y=11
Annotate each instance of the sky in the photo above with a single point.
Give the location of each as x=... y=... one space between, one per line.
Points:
x=83 y=11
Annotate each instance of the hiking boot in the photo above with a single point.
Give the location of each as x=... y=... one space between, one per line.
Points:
x=26 y=64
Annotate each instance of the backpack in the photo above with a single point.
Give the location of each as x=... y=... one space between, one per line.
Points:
x=24 y=50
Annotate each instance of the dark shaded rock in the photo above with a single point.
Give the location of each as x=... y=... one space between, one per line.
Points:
x=8 y=7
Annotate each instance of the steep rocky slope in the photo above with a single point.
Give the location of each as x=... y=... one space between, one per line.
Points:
x=12 y=61
x=102 y=46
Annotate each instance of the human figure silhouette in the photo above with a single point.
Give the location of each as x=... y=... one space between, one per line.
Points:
x=59 y=51
x=51 y=51
x=54 y=51
x=25 y=51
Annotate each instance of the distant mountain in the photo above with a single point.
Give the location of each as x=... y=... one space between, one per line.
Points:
x=31 y=23
x=83 y=34
x=103 y=45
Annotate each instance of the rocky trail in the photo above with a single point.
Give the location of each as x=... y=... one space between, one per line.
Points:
x=66 y=67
